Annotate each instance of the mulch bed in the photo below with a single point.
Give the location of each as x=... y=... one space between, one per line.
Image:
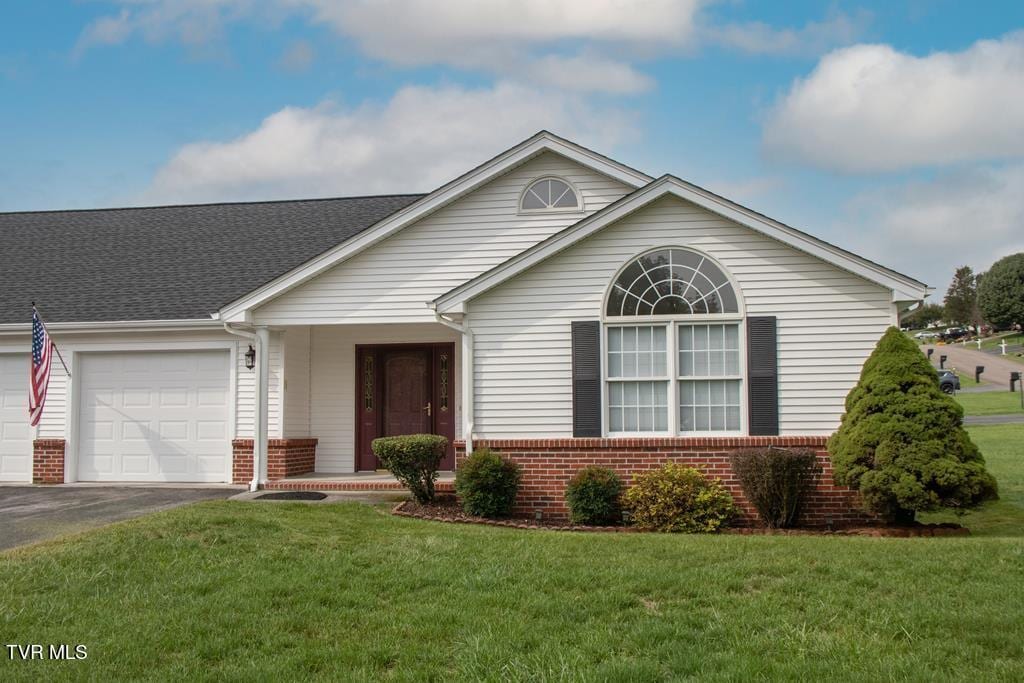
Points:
x=448 y=510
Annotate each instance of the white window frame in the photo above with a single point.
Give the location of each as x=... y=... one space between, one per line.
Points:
x=562 y=209
x=672 y=323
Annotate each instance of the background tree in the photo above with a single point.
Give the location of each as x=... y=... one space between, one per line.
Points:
x=1001 y=294
x=961 y=297
x=924 y=316
x=902 y=443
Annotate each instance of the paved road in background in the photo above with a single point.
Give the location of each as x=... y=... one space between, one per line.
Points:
x=35 y=513
x=963 y=359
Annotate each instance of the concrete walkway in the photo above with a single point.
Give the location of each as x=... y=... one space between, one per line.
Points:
x=1014 y=418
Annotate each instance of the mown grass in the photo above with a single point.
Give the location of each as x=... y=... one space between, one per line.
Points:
x=990 y=403
x=347 y=592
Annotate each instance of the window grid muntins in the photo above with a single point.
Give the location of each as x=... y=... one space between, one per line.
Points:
x=709 y=351
x=549 y=194
x=638 y=351
x=671 y=282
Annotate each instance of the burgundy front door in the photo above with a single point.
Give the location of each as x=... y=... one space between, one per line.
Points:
x=404 y=389
x=407 y=408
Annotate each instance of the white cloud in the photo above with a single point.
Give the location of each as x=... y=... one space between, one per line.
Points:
x=298 y=57
x=416 y=141
x=814 y=38
x=582 y=45
x=928 y=228
x=871 y=108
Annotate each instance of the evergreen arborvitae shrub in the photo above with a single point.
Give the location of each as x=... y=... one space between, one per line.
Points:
x=414 y=460
x=487 y=484
x=593 y=496
x=776 y=481
x=902 y=443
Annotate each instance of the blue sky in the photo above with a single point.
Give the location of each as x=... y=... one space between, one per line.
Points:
x=892 y=128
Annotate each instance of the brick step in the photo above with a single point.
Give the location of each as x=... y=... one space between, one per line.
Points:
x=334 y=485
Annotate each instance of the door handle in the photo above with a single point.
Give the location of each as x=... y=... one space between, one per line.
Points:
x=427 y=408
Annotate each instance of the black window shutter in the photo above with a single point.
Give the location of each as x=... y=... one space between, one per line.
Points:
x=763 y=375
x=586 y=378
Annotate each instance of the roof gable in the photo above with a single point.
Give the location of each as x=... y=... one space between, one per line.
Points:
x=904 y=288
x=241 y=309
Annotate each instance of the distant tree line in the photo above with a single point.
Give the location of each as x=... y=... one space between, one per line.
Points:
x=995 y=297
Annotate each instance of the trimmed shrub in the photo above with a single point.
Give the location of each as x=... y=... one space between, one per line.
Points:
x=593 y=496
x=414 y=460
x=902 y=443
x=678 y=498
x=776 y=481
x=487 y=484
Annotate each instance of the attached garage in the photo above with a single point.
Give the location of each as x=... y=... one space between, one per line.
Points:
x=160 y=416
x=15 y=434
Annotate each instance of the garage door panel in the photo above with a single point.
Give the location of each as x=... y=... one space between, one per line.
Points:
x=15 y=434
x=168 y=418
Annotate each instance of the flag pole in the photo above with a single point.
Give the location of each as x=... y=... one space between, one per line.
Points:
x=55 y=347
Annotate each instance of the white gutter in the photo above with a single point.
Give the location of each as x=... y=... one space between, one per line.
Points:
x=261 y=338
x=467 y=374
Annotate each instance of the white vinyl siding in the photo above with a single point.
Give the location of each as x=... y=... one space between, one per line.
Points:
x=828 y=320
x=332 y=389
x=392 y=281
x=246 y=398
x=296 y=382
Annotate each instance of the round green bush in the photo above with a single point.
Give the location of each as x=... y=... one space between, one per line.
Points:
x=413 y=459
x=902 y=443
x=678 y=498
x=487 y=484
x=594 y=496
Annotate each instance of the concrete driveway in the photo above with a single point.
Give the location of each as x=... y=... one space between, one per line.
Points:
x=35 y=513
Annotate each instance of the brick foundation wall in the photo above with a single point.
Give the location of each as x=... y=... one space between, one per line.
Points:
x=548 y=464
x=48 y=461
x=285 y=458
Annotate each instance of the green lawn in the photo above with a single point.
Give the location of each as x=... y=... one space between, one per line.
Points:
x=236 y=590
x=990 y=403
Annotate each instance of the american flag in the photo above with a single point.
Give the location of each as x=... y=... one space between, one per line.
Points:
x=42 y=354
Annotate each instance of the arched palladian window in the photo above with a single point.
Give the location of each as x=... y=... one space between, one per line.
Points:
x=549 y=194
x=680 y=372
x=671 y=282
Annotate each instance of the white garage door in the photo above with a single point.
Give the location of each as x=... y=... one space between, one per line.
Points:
x=154 y=416
x=15 y=434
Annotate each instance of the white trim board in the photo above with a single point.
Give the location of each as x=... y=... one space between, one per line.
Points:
x=903 y=288
x=240 y=311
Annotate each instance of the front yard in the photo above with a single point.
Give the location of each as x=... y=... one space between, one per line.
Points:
x=231 y=590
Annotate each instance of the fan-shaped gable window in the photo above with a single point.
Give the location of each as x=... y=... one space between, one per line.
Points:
x=549 y=194
x=671 y=282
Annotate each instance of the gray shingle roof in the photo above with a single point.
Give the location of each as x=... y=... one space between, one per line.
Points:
x=166 y=263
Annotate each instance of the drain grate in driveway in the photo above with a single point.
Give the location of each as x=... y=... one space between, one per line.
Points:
x=293 y=495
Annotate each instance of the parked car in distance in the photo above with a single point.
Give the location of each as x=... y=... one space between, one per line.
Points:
x=949 y=382
x=954 y=333
x=926 y=335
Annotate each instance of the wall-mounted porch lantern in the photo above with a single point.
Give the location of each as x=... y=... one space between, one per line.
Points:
x=250 y=358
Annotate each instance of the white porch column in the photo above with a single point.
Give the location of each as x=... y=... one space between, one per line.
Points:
x=467 y=384
x=259 y=446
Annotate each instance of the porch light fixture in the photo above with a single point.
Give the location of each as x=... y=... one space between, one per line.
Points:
x=250 y=358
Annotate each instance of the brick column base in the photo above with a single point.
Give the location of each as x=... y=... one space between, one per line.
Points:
x=548 y=464
x=48 y=461
x=285 y=458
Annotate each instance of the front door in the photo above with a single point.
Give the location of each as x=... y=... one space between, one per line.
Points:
x=407 y=408
x=404 y=389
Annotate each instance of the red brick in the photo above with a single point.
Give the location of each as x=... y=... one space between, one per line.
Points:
x=48 y=461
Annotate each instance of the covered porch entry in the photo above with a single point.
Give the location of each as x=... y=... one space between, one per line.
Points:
x=333 y=389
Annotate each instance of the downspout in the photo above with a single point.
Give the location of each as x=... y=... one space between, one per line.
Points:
x=260 y=339
x=467 y=374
